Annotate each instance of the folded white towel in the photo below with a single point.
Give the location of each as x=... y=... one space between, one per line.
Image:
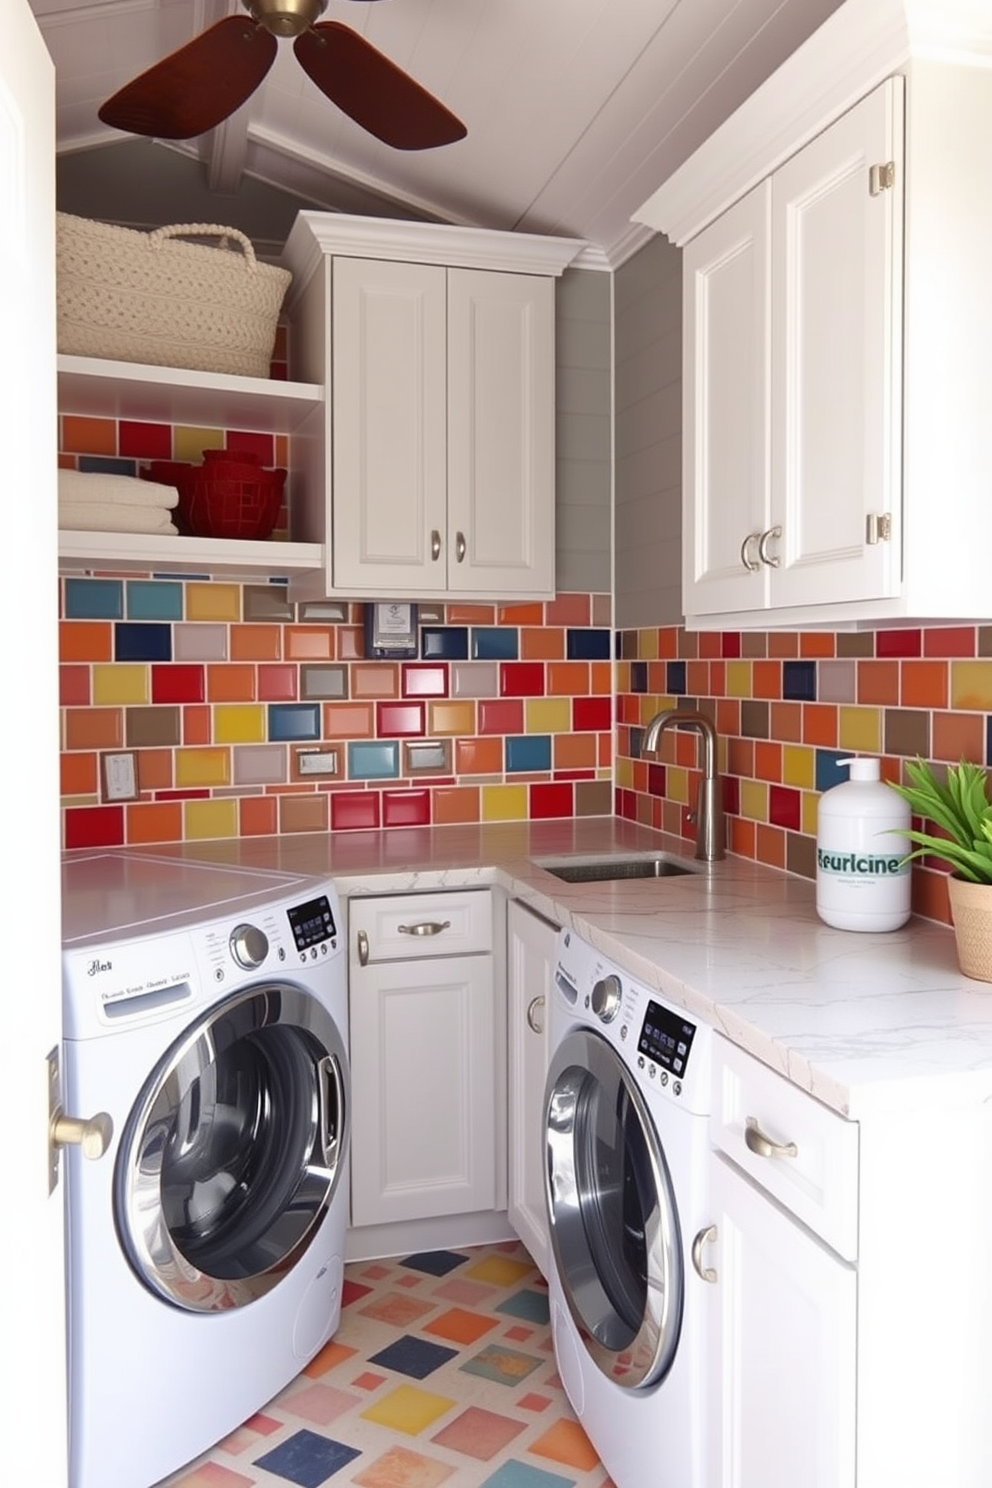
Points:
x=94 y=516
x=93 y=487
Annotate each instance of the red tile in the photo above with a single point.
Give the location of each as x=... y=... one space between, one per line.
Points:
x=410 y=808
x=421 y=679
x=501 y=716
x=521 y=679
x=568 y=609
x=785 y=807
x=552 y=800
x=178 y=684
x=74 y=686
x=657 y=779
x=399 y=720
x=591 y=713
x=949 y=640
x=354 y=810
x=277 y=683
x=899 y=643
x=730 y=644
x=94 y=826
x=253 y=443
x=626 y=804
x=140 y=441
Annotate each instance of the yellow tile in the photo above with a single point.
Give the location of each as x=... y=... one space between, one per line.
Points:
x=213 y=602
x=738 y=679
x=798 y=766
x=971 y=685
x=547 y=716
x=625 y=772
x=504 y=803
x=203 y=767
x=649 y=706
x=647 y=645
x=239 y=723
x=498 y=1270
x=860 y=729
x=408 y=1409
x=189 y=443
x=120 y=682
x=210 y=818
x=677 y=784
x=810 y=812
x=451 y=718
x=754 y=800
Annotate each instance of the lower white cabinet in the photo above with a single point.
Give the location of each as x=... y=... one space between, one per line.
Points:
x=530 y=966
x=424 y=1057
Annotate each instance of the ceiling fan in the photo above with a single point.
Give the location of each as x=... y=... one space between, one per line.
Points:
x=197 y=87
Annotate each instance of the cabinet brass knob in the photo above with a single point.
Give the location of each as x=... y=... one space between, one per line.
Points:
x=92 y=1135
x=764 y=1146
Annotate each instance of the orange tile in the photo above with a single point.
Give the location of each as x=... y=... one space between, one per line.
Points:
x=375 y=679
x=817 y=643
x=766 y=679
x=567 y=1443
x=455 y=803
x=79 y=774
x=575 y=751
x=568 y=609
x=546 y=643
x=154 y=821
x=742 y=836
x=470 y=614
x=718 y=678
x=89 y=436
x=924 y=684
x=94 y=728
x=348 y=721
x=770 y=845
x=820 y=724
x=697 y=675
x=568 y=679
x=783 y=643
x=728 y=716
x=740 y=757
x=154 y=769
x=668 y=643
x=256 y=642
x=460 y=1325
x=258 y=816
x=767 y=760
x=520 y=614
x=197 y=724
x=710 y=644
x=657 y=678
x=86 y=640
x=351 y=642
x=455 y=717
x=786 y=722
x=878 y=683
x=605 y=749
x=482 y=756
x=957 y=736
x=308 y=642
x=232 y=682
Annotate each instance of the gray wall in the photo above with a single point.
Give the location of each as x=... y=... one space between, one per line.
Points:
x=648 y=407
x=584 y=432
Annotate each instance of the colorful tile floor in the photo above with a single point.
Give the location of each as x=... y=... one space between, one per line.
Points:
x=442 y=1371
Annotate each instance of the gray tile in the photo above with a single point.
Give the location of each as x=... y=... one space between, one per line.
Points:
x=206 y=642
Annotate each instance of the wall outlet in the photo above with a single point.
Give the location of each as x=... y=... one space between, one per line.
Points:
x=119 y=775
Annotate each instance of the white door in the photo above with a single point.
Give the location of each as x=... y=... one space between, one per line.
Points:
x=836 y=360
x=32 y=1363
x=531 y=944
x=726 y=410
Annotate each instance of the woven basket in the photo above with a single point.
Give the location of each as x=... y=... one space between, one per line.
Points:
x=230 y=496
x=146 y=297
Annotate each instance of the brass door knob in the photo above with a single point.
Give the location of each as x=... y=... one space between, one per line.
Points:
x=92 y=1135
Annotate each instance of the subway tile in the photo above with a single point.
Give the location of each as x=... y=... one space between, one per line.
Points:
x=239 y=723
x=838 y=681
x=200 y=642
x=829 y=771
x=479 y=756
x=784 y=807
x=94 y=826
x=137 y=641
x=258 y=764
x=503 y=803
x=899 y=643
x=859 y=730
x=551 y=800
x=878 y=682
x=348 y=720
x=288 y=721
x=799 y=681
x=593 y=798
x=754 y=719
x=83 y=434
x=451 y=717
x=322 y=612
x=373 y=759
x=957 y=736
x=782 y=644
x=971 y=685
x=267 y=602
x=857 y=643
x=319 y=681
x=394 y=718
x=950 y=640
x=120 y=683
x=521 y=679
x=444 y=642
x=767 y=678
x=501 y=716
x=520 y=614
x=924 y=684
x=93 y=599
x=568 y=679
x=85 y=640
x=574 y=751
x=213 y=601
x=426 y=757
x=210 y=820
x=153 y=599
x=258 y=816
x=638 y=676
x=203 y=767
x=595 y=713
x=906 y=732
x=544 y=644
x=459 y=613
x=178 y=684
x=420 y=680
x=154 y=821
x=308 y=643
x=545 y=716
x=74 y=686
x=738 y=675
x=375 y=679
x=499 y=643
x=354 y=810
x=456 y=803
x=407 y=808
x=474 y=679
x=94 y=728
x=256 y=643
x=303 y=813
x=675 y=678
x=819 y=643
x=568 y=609
x=588 y=645
x=277 y=683
x=820 y=724
x=730 y=644
x=152 y=728
x=528 y=752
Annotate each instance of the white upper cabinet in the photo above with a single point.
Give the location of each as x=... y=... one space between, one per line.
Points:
x=837 y=328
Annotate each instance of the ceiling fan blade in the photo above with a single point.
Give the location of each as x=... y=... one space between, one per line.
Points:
x=373 y=91
x=198 y=86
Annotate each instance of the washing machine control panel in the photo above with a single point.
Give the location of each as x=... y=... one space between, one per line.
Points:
x=666 y=1038
x=249 y=946
x=312 y=923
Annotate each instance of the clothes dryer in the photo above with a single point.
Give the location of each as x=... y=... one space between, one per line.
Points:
x=626 y=1143
x=205 y=1029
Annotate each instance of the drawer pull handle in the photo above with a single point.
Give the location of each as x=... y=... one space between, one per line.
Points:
x=705 y=1273
x=763 y=1146
x=363 y=948
x=533 y=1022
x=425 y=927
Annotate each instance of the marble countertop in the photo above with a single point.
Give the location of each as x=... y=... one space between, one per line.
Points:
x=865 y=1022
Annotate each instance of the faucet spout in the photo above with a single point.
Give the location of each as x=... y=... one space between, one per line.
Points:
x=711 y=828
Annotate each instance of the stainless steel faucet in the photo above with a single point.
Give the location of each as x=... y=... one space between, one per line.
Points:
x=711 y=830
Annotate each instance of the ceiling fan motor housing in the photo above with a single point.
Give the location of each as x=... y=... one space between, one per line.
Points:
x=285 y=17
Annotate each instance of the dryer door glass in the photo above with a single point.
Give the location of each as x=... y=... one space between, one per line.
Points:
x=234 y=1150
x=614 y=1227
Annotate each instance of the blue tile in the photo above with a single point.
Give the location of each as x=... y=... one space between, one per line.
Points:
x=414 y=1357
x=148 y=600
x=638 y=676
x=307 y=1459
x=514 y=1474
x=501 y=643
x=294 y=721
x=133 y=642
x=434 y=1262
x=799 y=681
x=107 y=465
x=828 y=771
x=587 y=645
x=533 y=1306
x=675 y=678
x=94 y=599
x=373 y=760
x=448 y=642
x=528 y=752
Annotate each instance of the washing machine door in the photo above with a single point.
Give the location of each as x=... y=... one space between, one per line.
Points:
x=614 y=1225
x=234 y=1149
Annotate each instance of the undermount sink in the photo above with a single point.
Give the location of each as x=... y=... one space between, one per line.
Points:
x=599 y=870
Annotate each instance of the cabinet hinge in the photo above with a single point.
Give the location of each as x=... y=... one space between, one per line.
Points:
x=881 y=178
x=878 y=528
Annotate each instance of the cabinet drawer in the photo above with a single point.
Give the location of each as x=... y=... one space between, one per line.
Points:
x=409 y=927
x=799 y=1151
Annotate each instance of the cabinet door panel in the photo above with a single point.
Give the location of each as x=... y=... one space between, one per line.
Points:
x=501 y=476
x=530 y=967
x=725 y=420
x=836 y=355
x=388 y=426
x=423 y=1036
x=784 y=1337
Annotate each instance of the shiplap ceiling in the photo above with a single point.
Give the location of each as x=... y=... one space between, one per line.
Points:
x=576 y=110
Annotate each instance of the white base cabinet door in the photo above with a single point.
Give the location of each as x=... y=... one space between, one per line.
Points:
x=530 y=967
x=783 y=1334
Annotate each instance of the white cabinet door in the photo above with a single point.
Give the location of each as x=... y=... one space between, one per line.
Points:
x=726 y=408
x=529 y=969
x=388 y=426
x=836 y=318
x=501 y=425
x=783 y=1336
x=423 y=1074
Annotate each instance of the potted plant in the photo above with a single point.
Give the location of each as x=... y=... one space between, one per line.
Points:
x=961 y=808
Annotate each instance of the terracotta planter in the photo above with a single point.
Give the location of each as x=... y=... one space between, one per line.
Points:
x=971 y=911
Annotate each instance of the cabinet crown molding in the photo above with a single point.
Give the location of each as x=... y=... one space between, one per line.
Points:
x=856 y=48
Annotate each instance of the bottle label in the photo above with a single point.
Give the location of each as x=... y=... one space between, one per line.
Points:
x=861 y=864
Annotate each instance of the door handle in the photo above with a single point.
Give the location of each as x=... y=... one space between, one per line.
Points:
x=435 y=545
x=764 y=1146
x=535 y=1005
x=425 y=927
x=748 y=561
x=363 y=948
x=92 y=1135
x=705 y=1273
x=771 y=559
x=460 y=547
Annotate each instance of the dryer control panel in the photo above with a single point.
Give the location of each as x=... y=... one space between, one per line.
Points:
x=312 y=923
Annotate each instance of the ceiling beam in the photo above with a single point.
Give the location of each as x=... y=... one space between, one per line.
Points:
x=224 y=149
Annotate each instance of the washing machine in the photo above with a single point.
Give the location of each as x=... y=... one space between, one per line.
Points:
x=205 y=1066
x=626 y=1142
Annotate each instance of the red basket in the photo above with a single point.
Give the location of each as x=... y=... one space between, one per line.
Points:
x=230 y=495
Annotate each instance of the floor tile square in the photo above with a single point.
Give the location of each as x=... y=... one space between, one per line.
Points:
x=461 y=1326
x=307 y=1459
x=401 y=1468
x=468 y=1293
x=368 y=1381
x=352 y=1291
x=533 y=1402
x=501 y=1365
x=566 y=1442
x=501 y=1270
x=212 y=1475
x=408 y=1409
x=515 y=1474
x=398 y=1312
x=478 y=1433
x=329 y=1357
x=533 y=1306
x=434 y=1262
x=413 y=1356
x=319 y=1404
